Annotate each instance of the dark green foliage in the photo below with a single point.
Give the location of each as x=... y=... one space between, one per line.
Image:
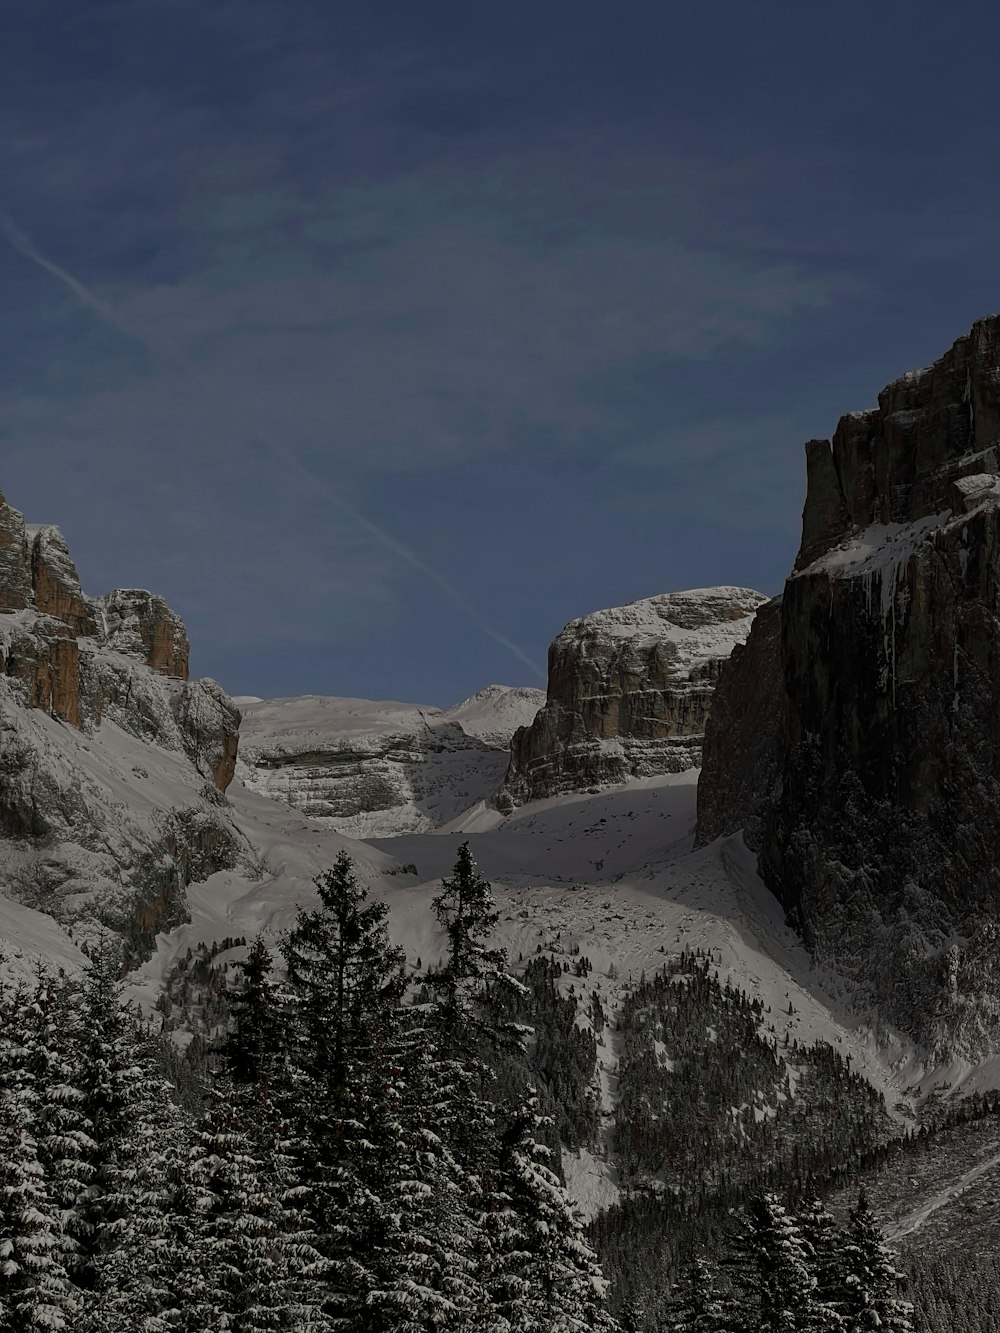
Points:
x=706 y=1097
x=559 y=1059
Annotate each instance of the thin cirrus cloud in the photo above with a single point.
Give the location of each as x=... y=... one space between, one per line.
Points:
x=406 y=327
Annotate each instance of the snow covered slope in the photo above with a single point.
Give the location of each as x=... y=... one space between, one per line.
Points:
x=611 y=875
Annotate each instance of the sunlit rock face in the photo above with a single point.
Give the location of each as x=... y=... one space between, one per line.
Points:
x=629 y=690
x=112 y=763
x=856 y=738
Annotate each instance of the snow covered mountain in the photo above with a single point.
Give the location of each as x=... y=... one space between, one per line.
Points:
x=113 y=765
x=382 y=768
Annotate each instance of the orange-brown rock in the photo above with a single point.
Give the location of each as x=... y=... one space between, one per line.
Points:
x=140 y=624
x=56 y=584
x=43 y=654
x=15 y=560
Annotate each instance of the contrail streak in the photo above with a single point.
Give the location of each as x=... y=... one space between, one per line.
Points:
x=277 y=447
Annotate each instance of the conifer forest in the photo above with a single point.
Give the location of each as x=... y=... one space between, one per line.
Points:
x=351 y=1144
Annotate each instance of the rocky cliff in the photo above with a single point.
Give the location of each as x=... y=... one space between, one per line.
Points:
x=857 y=736
x=629 y=691
x=112 y=762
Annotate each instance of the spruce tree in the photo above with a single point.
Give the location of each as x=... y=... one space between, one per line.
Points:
x=35 y=1290
x=467 y=914
x=345 y=984
x=772 y=1267
x=869 y=1295
x=823 y=1252
x=252 y=1263
x=254 y=1040
x=696 y=1304
x=128 y=1242
x=540 y=1272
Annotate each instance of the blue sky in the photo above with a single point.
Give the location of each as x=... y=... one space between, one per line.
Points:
x=404 y=333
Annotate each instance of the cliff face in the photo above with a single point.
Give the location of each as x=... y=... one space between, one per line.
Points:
x=112 y=763
x=878 y=734
x=629 y=691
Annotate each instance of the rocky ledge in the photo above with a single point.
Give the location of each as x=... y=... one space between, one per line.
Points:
x=629 y=691
x=856 y=738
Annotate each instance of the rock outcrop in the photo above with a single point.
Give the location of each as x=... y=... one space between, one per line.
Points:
x=112 y=763
x=629 y=691
x=15 y=560
x=871 y=791
x=140 y=625
x=56 y=584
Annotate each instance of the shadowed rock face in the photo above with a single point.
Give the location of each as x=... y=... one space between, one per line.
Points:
x=629 y=690
x=872 y=786
x=15 y=560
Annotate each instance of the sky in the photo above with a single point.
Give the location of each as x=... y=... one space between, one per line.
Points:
x=382 y=339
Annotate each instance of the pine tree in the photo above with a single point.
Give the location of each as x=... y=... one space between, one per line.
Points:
x=869 y=1296
x=253 y=1265
x=35 y=1289
x=696 y=1304
x=772 y=1268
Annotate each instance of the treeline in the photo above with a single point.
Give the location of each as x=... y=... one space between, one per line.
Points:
x=352 y=1168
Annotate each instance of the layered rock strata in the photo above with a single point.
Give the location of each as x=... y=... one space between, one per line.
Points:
x=859 y=743
x=629 y=692
x=381 y=768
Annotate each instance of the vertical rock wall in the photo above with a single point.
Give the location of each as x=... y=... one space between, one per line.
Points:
x=878 y=705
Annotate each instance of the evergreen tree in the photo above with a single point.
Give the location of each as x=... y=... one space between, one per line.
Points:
x=696 y=1304
x=345 y=987
x=253 y=1264
x=129 y=1248
x=467 y=913
x=541 y=1275
x=255 y=1034
x=823 y=1245
x=772 y=1267
x=869 y=1296
x=35 y=1289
